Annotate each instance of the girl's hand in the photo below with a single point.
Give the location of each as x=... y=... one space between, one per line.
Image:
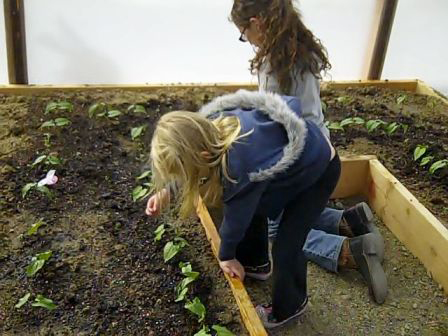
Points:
x=156 y=202
x=233 y=268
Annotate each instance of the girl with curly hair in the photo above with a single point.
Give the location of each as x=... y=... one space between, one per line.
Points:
x=289 y=60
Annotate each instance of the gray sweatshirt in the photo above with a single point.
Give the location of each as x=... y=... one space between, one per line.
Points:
x=306 y=88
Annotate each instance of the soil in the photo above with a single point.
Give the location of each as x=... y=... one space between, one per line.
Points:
x=107 y=275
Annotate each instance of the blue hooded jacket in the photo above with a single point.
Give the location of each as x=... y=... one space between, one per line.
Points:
x=280 y=156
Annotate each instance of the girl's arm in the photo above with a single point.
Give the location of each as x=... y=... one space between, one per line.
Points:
x=238 y=214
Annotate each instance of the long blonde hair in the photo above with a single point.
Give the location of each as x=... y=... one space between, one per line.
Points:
x=188 y=149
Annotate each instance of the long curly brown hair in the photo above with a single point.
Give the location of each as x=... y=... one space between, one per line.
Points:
x=286 y=41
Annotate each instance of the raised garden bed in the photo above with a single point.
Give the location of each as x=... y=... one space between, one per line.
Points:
x=108 y=276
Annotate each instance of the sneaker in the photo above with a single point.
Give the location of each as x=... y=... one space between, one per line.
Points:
x=262 y=272
x=360 y=220
x=269 y=321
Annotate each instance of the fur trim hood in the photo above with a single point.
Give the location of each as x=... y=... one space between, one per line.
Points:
x=277 y=109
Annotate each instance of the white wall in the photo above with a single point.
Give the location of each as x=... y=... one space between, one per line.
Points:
x=346 y=28
x=138 y=41
x=418 y=47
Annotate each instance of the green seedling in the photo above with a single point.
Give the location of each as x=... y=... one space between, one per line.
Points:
x=143 y=190
x=102 y=110
x=144 y=175
x=190 y=276
x=334 y=125
x=197 y=308
x=392 y=128
x=372 y=125
x=346 y=122
x=22 y=300
x=426 y=160
x=41 y=301
x=58 y=122
x=345 y=100
x=33 y=229
x=419 y=151
x=324 y=107
x=401 y=99
x=172 y=248
x=438 y=165
x=47 y=139
x=97 y=109
x=159 y=232
x=136 y=108
x=47 y=159
x=350 y=121
x=59 y=106
x=43 y=189
x=113 y=114
x=137 y=132
x=405 y=128
x=205 y=331
x=222 y=331
x=140 y=192
x=37 y=262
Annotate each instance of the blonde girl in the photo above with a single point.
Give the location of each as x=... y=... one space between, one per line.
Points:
x=255 y=153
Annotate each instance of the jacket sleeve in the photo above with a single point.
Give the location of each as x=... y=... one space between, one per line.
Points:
x=238 y=213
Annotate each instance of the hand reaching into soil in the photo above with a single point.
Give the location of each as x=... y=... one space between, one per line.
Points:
x=156 y=202
x=233 y=268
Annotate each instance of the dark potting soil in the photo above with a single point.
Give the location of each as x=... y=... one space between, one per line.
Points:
x=107 y=275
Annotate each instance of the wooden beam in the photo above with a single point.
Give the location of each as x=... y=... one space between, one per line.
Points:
x=422 y=233
x=250 y=318
x=354 y=174
x=407 y=85
x=16 y=41
x=47 y=89
x=382 y=39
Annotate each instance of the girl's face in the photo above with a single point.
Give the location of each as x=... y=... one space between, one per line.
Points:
x=252 y=32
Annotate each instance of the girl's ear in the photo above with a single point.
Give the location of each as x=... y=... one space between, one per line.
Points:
x=256 y=22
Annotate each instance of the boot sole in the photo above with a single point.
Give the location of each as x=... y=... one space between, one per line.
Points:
x=375 y=277
x=258 y=276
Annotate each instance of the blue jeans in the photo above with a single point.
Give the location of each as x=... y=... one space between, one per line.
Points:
x=323 y=244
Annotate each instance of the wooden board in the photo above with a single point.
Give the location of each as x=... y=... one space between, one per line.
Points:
x=414 y=85
x=417 y=228
x=250 y=318
x=408 y=85
x=353 y=180
x=44 y=89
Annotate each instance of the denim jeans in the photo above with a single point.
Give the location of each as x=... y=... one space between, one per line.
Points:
x=323 y=244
